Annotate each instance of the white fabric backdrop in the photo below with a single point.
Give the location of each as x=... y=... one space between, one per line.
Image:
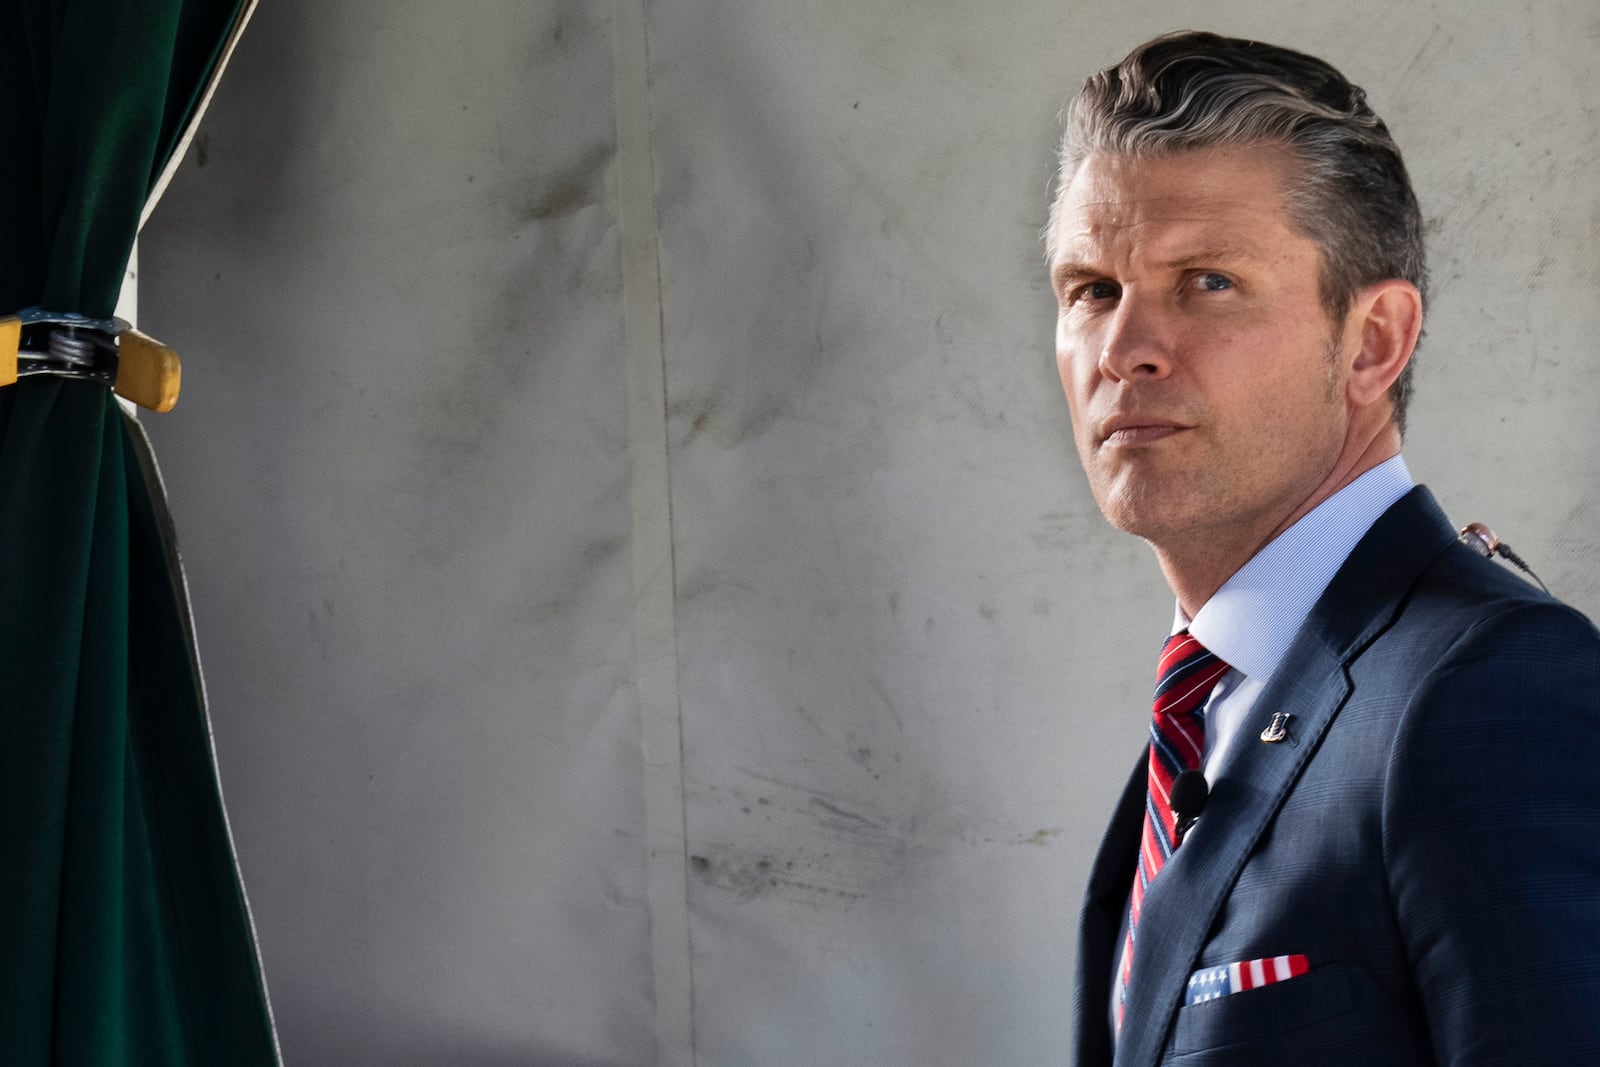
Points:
x=650 y=606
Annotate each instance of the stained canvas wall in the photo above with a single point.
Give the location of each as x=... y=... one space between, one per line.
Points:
x=651 y=610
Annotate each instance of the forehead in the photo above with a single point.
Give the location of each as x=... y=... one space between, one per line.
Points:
x=1224 y=197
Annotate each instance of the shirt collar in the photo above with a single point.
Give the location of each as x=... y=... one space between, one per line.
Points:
x=1250 y=622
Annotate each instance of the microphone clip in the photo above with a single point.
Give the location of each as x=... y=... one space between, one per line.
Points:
x=1482 y=540
x=1188 y=798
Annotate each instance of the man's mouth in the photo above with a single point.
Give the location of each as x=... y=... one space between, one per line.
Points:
x=1128 y=430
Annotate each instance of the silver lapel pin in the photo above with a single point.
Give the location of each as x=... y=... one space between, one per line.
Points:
x=1277 y=729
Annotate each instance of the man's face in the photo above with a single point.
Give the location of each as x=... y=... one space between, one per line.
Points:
x=1200 y=368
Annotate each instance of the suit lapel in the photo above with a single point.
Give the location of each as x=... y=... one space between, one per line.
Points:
x=1311 y=684
x=1105 y=902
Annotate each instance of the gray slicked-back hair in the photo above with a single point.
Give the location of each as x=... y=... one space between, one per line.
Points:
x=1350 y=194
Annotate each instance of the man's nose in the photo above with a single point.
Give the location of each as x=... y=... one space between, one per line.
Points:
x=1137 y=341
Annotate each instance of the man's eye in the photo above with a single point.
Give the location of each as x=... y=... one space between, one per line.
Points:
x=1099 y=291
x=1212 y=282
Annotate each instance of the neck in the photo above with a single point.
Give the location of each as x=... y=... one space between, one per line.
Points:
x=1197 y=564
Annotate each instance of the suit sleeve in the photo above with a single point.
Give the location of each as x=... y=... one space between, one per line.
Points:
x=1492 y=840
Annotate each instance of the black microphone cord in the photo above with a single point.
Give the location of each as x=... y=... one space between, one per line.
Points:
x=1480 y=538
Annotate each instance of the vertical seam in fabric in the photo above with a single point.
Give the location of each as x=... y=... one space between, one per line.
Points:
x=655 y=665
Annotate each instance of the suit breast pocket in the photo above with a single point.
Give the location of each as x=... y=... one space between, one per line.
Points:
x=1321 y=993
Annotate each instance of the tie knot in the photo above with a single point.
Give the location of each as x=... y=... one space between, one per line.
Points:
x=1185 y=675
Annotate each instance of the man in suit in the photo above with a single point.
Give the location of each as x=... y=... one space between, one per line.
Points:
x=1399 y=859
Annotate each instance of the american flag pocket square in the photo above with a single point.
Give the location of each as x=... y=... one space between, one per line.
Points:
x=1209 y=983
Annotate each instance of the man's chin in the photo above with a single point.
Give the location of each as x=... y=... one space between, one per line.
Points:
x=1143 y=516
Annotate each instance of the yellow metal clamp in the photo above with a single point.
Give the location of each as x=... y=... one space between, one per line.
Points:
x=135 y=365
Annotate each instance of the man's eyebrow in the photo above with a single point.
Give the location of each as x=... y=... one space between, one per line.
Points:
x=1213 y=255
x=1066 y=273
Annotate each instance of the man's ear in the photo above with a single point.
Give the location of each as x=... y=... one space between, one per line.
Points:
x=1388 y=316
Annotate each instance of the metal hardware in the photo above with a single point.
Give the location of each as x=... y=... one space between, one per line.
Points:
x=1481 y=539
x=1277 y=730
x=66 y=344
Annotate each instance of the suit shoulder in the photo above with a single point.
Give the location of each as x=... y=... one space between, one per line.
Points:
x=1469 y=628
x=1475 y=600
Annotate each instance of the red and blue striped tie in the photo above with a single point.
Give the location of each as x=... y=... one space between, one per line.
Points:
x=1185 y=677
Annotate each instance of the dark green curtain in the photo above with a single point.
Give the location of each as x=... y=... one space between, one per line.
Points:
x=125 y=935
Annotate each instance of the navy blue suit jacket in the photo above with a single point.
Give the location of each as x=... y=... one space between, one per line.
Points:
x=1428 y=835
